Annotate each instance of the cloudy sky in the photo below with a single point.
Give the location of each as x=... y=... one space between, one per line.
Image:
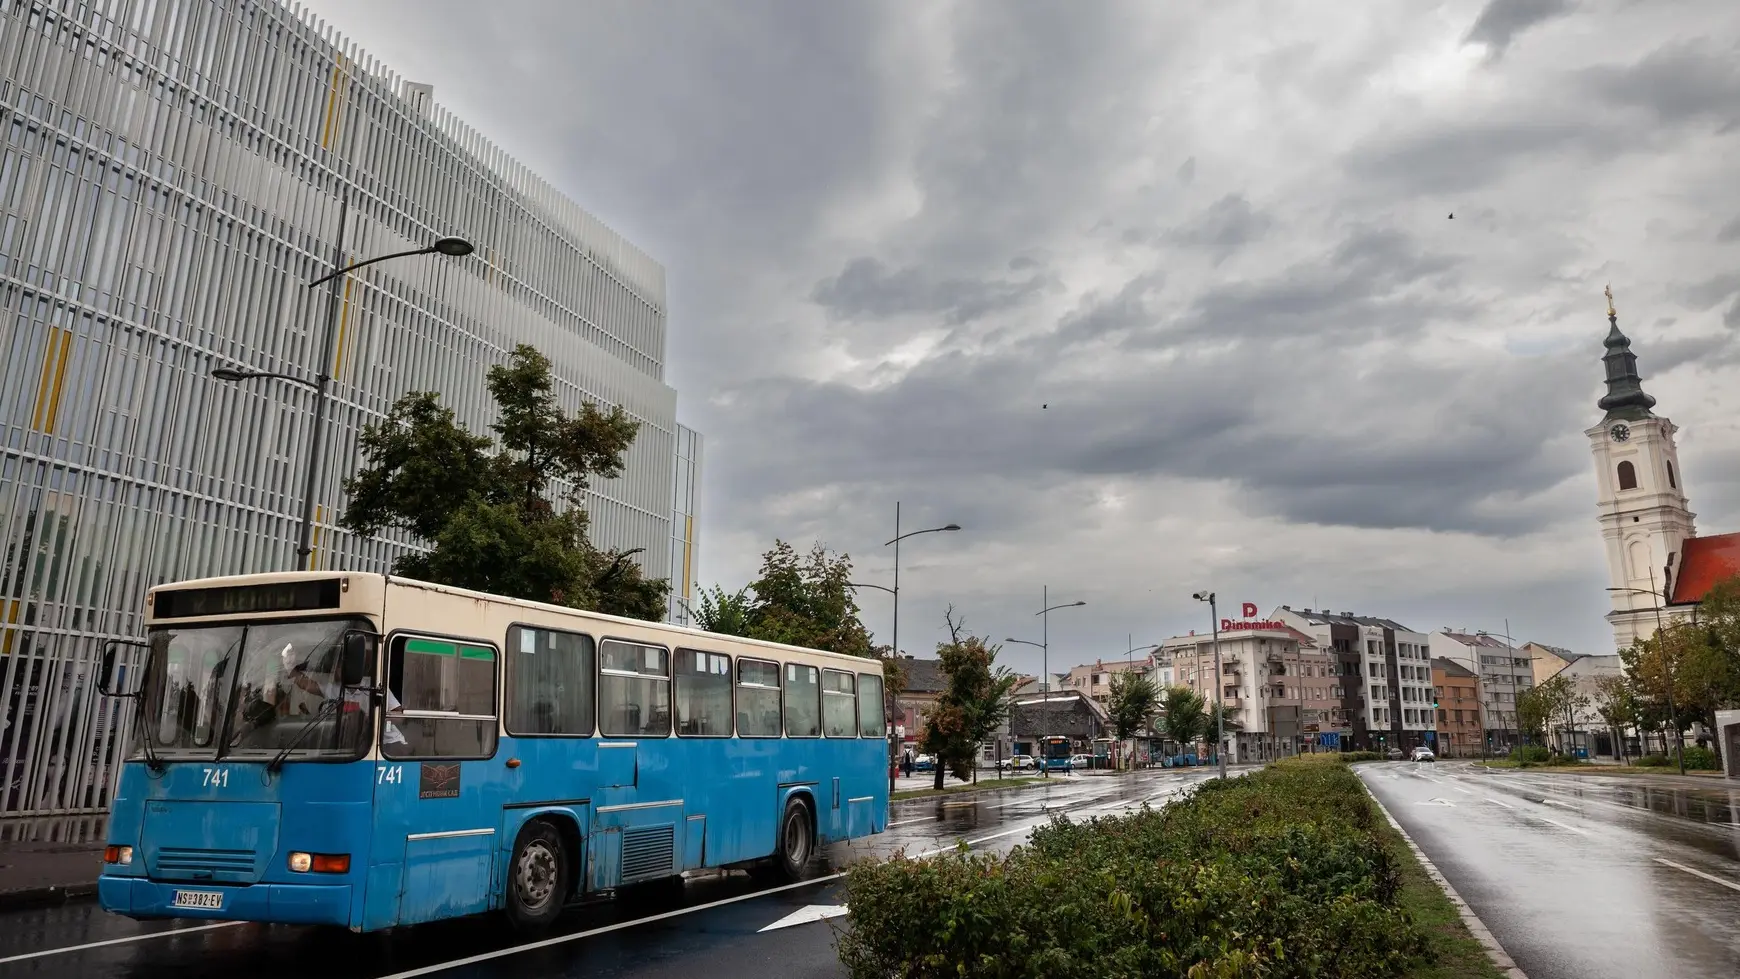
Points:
x=1151 y=297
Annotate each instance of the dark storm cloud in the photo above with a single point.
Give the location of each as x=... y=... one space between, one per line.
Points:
x=1226 y=226
x=1500 y=21
x=1239 y=296
x=1679 y=82
x=868 y=288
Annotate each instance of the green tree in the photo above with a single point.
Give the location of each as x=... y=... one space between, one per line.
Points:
x=974 y=700
x=1617 y=705
x=1183 y=717
x=800 y=601
x=1540 y=705
x=1131 y=703
x=509 y=521
x=1690 y=661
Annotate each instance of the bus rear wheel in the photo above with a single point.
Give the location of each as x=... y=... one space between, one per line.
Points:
x=537 y=883
x=796 y=842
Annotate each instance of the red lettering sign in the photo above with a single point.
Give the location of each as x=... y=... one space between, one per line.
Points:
x=1250 y=611
x=1248 y=625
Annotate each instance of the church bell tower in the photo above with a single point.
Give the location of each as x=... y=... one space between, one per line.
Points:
x=1642 y=502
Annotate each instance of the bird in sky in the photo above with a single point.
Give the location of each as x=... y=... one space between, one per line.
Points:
x=1452 y=217
x=1044 y=406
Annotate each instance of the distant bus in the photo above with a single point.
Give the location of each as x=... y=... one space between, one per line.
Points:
x=1054 y=754
x=369 y=751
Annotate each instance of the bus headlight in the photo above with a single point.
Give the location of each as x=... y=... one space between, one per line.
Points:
x=320 y=863
x=122 y=855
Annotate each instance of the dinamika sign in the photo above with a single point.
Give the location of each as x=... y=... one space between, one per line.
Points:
x=1250 y=622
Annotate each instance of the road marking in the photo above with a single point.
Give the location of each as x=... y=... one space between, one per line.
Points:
x=803 y=916
x=1498 y=803
x=1555 y=822
x=1461 y=790
x=1435 y=801
x=921 y=819
x=1677 y=866
x=118 y=941
x=1555 y=802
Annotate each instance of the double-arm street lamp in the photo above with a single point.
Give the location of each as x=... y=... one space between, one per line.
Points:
x=894 y=646
x=449 y=246
x=1220 y=708
x=1667 y=671
x=1044 y=645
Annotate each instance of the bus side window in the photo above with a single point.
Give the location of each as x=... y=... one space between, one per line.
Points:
x=839 y=704
x=703 y=694
x=550 y=688
x=872 y=712
x=634 y=690
x=803 y=701
x=757 y=699
x=446 y=690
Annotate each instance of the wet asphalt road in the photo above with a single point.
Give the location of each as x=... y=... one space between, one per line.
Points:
x=709 y=926
x=1581 y=877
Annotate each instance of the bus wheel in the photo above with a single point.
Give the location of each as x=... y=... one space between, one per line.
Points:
x=796 y=842
x=538 y=877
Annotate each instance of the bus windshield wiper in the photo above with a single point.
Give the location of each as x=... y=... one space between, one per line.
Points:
x=330 y=707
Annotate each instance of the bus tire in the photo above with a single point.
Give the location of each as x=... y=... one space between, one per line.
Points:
x=538 y=877
x=797 y=842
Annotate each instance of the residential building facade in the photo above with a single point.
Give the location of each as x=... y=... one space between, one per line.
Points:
x=1505 y=674
x=1461 y=732
x=1545 y=660
x=171 y=175
x=1094 y=680
x=1384 y=677
x=1585 y=733
x=1274 y=682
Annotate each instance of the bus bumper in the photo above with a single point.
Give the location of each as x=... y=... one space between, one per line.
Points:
x=299 y=904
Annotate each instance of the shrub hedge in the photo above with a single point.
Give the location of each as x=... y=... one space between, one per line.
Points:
x=1279 y=873
x=1352 y=756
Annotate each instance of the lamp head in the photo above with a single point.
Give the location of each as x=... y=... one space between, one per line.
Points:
x=1078 y=603
x=1200 y=596
x=953 y=526
x=229 y=374
x=455 y=247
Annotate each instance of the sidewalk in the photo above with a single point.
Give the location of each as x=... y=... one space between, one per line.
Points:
x=45 y=862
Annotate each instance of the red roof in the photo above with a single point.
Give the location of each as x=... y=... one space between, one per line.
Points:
x=1703 y=562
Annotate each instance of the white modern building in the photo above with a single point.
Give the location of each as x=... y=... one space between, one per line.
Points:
x=1384 y=676
x=171 y=174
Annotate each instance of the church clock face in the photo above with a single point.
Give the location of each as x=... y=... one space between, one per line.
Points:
x=1619 y=432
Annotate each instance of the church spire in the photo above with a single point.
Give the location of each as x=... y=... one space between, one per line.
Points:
x=1625 y=397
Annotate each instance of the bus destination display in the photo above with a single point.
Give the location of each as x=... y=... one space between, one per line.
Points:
x=283 y=596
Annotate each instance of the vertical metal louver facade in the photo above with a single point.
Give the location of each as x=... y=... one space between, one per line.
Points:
x=170 y=172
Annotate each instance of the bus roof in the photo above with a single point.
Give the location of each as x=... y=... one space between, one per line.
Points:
x=275 y=577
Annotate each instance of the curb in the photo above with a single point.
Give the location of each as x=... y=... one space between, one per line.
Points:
x=28 y=898
x=1494 y=950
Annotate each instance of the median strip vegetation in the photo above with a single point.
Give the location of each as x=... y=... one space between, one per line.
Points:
x=1288 y=871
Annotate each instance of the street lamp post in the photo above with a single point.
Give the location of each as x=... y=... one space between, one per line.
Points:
x=894 y=648
x=450 y=246
x=1666 y=667
x=1220 y=711
x=1044 y=645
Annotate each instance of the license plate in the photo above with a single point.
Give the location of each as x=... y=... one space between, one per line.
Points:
x=205 y=900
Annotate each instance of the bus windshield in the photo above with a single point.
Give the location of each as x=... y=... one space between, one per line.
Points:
x=250 y=690
x=1055 y=748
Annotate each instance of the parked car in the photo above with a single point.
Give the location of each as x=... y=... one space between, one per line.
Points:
x=1423 y=754
x=1016 y=763
x=1396 y=754
x=1080 y=763
x=924 y=763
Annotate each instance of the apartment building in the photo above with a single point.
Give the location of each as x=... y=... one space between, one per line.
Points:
x=1461 y=732
x=1505 y=672
x=1384 y=676
x=1094 y=680
x=1275 y=683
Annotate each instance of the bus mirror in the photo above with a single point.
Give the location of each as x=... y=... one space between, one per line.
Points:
x=111 y=673
x=354 y=659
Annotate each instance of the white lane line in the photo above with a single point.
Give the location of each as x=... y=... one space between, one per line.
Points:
x=1555 y=822
x=1461 y=790
x=921 y=819
x=118 y=941
x=1712 y=878
x=1498 y=803
x=1555 y=802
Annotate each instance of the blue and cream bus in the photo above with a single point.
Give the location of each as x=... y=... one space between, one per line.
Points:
x=370 y=751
